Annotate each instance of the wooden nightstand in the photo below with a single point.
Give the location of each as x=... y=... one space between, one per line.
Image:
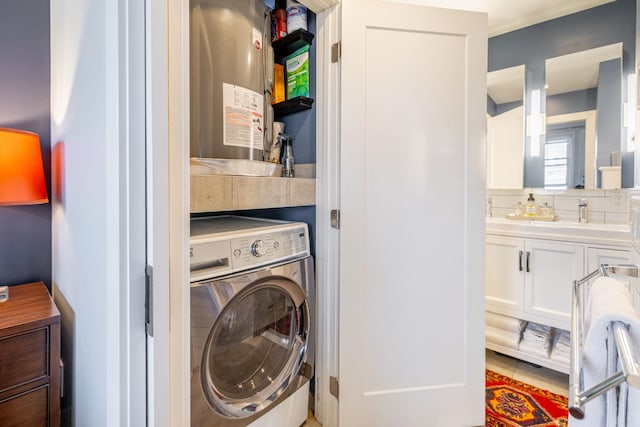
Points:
x=29 y=358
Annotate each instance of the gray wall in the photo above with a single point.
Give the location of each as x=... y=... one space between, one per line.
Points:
x=572 y=102
x=607 y=24
x=25 y=242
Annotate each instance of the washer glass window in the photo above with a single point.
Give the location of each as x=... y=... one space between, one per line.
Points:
x=251 y=350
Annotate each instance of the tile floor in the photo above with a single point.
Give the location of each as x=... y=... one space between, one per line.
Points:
x=311 y=422
x=547 y=379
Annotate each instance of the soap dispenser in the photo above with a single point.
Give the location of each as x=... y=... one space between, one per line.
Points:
x=531 y=206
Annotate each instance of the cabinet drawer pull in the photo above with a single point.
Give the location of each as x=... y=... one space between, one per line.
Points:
x=520 y=261
x=528 y=256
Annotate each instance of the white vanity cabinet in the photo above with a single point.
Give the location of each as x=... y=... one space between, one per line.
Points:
x=617 y=256
x=598 y=255
x=530 y=269
x=529 y=278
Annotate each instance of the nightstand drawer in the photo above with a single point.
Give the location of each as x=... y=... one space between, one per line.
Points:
x=26 y=410
x=24 y=358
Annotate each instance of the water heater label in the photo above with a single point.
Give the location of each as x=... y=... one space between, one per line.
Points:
x=257 y=38
x=243 y=121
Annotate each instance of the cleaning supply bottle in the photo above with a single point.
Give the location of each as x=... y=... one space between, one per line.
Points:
x=531 y=206
x=287 y=156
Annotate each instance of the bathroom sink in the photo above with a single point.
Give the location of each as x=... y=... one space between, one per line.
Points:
x=243 y=167
x=575 y=230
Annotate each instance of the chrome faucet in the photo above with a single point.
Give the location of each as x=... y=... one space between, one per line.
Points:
x=488 y=207
x=582 y=210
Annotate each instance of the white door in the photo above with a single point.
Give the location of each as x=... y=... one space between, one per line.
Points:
x=505 y=149
x=413 y=132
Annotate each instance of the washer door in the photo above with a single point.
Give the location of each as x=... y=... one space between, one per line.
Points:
x=255 y=348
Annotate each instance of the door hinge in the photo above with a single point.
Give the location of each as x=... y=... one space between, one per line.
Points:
x=336 y=52
x=335 y=218
x=148 y=300
x=61 y=378
x=334 y=387
x=306 y=370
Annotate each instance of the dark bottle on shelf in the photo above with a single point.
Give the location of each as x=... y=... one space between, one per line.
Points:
x=287 y=161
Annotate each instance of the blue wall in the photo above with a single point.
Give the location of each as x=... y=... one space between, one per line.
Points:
x=600 y=26
x=25 y=242
x=572 y=102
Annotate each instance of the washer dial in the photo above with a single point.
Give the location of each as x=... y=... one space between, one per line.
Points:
x=259 y=248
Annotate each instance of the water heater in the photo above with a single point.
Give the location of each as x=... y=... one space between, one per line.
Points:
x=231 y=63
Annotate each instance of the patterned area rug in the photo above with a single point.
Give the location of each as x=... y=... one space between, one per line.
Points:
x=513 y=404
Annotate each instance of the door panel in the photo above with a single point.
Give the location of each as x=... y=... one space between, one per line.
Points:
x=553 y=268
x=505 y=275
x=412 y=224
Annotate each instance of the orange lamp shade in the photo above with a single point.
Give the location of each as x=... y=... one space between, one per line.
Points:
x=21 y=172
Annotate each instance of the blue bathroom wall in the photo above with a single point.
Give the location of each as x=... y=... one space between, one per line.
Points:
x=603 y=25
x=25 y=242
x=572 y=102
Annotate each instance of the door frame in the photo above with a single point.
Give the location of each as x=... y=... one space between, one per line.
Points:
x=175 y=33
x=157 y=202
x=168 y=31
x=328 y=31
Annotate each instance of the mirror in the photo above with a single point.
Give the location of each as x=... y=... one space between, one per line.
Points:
x=585 y=125
x=505 y=127
x=581 y=107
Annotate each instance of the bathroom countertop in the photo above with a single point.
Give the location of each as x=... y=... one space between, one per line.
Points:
x=609 y=234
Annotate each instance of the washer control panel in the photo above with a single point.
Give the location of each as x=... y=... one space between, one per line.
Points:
x=252 y=251
x=217 y=249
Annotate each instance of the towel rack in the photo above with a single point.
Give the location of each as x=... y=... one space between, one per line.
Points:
x=629 y=373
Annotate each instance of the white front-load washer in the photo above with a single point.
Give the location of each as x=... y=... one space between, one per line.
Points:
x=252 y=298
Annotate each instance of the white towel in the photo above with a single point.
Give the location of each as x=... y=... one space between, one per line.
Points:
x=504 y=322
x=534 y=347
x=609 y=300
x=502 y=337
x=536 y=337
x=561 y=348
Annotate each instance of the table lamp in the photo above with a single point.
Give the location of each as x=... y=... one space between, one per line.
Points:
x=21 y=173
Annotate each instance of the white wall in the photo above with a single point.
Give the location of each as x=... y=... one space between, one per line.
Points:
x=97 y=135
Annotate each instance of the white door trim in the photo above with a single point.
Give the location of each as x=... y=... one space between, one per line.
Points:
x=179 y=210
x=157 y=200
x=125 y=124
x=328 y=198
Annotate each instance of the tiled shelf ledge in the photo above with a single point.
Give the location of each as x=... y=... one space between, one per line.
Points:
x=213 y=193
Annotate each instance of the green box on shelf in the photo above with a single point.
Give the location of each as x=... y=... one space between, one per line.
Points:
x=297 y=65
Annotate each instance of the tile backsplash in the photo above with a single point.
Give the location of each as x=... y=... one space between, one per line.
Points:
x=603 y=206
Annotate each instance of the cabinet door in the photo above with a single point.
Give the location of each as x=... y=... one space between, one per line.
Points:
x=411 y=223
x=504 y=275
x=550 y=269
x=598 y=256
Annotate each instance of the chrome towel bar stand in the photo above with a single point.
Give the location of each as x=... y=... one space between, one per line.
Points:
x=618 y=333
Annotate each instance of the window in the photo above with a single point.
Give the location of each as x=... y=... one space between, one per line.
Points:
x=556 y=161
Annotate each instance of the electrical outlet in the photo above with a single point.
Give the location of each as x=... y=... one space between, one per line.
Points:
x=618 y=201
